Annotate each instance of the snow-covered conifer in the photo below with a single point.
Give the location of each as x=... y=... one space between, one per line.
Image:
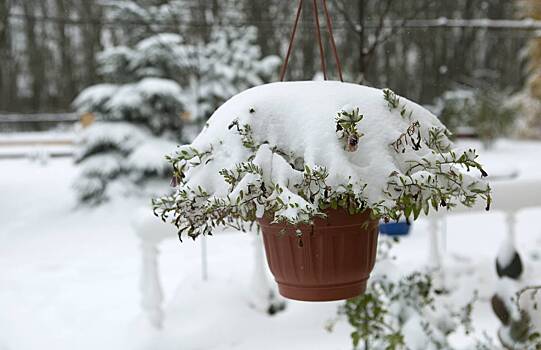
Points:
x=138 y=112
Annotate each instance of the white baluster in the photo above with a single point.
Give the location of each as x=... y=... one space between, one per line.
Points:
x=434 y=254
x=511 y=221
x=151 y=289
x=435 y=262
x=204 y=259
x=263 y=295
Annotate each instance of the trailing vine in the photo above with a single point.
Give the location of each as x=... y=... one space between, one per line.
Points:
x=434 y=180
x=393 y=102
x=412 y=137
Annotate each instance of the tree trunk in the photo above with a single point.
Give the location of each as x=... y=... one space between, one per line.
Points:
x=91 y=41
x=35 y=56
x=308 y=42
x=362 y=31
x=7 y=66
x=259 y=15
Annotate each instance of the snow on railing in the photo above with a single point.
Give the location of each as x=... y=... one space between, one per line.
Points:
x=487 y=23
x=508 y=196
x=39 y=118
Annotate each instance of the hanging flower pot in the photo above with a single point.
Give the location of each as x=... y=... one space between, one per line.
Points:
x=317 y=164
x=328 y=260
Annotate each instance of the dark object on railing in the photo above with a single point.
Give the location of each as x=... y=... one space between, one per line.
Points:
x=395 y=229
x=512 y=270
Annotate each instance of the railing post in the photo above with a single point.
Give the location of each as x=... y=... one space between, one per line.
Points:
x=204 y=259
x=435 y=262
x=150 y=285
x=262 y=295
x=511 y=221
x=434 y=254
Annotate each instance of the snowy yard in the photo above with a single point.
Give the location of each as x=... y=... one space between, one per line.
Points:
x=69 y=275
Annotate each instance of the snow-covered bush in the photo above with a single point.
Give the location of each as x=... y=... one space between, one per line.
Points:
x=138 y=112
x=292 y=150
x=159 y=80
x=518 y=311
x=211 y=68
x=230 y=63
x=404 y=313
x=114 y=150
x=485 y=112
x=164 y=55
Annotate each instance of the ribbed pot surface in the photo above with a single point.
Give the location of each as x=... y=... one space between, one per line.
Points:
x=331 y=261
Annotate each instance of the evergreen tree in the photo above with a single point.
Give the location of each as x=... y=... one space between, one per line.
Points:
x=230 y=63
x=529 y=100
x=139 y=112
x=150 y=89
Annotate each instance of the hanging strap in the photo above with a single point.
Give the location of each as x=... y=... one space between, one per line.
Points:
x=333 y=43
x=318 y=33
x=289 y=49
x=320 y=42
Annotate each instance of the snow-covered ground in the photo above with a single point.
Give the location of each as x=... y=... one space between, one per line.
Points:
x=69 y=275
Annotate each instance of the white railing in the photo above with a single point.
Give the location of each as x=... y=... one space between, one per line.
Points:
x=152 y=231
x=508 y=197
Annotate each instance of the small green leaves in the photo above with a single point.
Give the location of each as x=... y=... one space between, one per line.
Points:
x=393 y=101
x=375 y=315
x=245 y=131
x=438 y=140
x=346 y=129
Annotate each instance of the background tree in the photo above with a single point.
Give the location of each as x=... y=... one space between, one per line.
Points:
x=529 y=100
x=139 y=112
x=8 y=69
x=403 y=47
x=152 y=88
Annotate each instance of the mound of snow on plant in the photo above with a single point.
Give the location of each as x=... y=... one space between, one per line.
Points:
x=294 y=149
x=300 y=117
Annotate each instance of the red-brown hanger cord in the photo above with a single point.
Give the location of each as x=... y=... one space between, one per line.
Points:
x=333 y=43
x=289 y=49
x=318 y=33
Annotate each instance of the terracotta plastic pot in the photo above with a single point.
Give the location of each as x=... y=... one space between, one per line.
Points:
x=331 y=261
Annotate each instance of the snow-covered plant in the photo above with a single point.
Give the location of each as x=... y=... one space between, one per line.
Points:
x=274 y=150
x=515 y=310
x=402 y=311
x=407 y=313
